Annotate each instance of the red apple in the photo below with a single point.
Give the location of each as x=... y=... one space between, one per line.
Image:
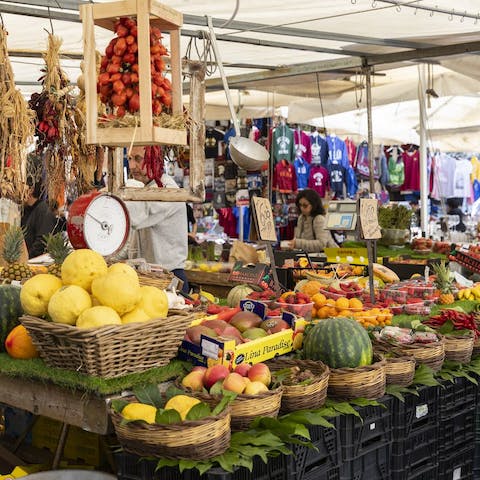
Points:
x=217 y=325
x=194 y=380
x=234 y=382
x=254 y=388
x=214 y=374
x=260 y=373
x=243 y=369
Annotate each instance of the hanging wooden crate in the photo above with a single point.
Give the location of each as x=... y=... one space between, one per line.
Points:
x=145 y=128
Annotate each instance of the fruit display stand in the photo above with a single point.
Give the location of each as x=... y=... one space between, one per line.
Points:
x=217 y=283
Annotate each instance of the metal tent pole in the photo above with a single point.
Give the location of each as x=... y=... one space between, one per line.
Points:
x=368 y=78
x=423 y=148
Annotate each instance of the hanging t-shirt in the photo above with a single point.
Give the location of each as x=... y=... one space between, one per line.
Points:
x=284 y=178
x=475 y=168
x=461 y=180
x=302 y=171
x=213 y=137
x=302 y=145
x=351 y=151
x=318 y=149
x=337 y=151
x=337 y=178
x=282 y=147
x=351 y=182
x=319 y=179
x=396 y=171
x=411 y=161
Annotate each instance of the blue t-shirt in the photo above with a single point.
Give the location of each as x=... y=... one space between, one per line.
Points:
x=302 y=170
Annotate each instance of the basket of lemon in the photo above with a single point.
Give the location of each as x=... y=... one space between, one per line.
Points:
x=100 y=320
x=171 y=425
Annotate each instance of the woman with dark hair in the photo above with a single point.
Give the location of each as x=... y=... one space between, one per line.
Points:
x=310 y=234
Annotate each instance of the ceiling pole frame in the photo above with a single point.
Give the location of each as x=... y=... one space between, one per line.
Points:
x=422 y=105
x=371 y=160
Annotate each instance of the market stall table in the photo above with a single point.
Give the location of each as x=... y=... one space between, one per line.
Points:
x=71 y=407
x=216 y=283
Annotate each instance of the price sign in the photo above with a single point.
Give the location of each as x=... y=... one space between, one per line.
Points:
x=263 y=218
x=369 y=219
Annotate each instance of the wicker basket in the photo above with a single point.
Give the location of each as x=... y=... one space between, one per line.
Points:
x=459 y=348
x=430 y=354
x=110 y=351
x=246 y=408
x=367 y=382
x=476 y=348
x=400 y=369
x=299 y=397
x=192 y=440
x=157 y=279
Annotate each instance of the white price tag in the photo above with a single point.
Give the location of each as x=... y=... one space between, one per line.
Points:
x=457 y=474
x=421 y=411
x=209 y=349
x=373 y=426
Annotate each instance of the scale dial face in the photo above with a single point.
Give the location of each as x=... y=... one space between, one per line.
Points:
x=106 y=224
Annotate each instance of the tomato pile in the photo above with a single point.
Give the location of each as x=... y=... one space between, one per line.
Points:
x=118 y=82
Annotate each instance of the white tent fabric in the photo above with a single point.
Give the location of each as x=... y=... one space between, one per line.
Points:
x=355 y=25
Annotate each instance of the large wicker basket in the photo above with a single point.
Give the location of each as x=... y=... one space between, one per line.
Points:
x=299 y=397
x=459 y=348
x=192 y=440
x=430 y=354
x=400 y=369
x=246 y=408
x=110 y=351
x=367 y=382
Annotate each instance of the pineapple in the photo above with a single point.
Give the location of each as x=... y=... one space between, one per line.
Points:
x=12 y=249
x=58 y=248
x=444 y=283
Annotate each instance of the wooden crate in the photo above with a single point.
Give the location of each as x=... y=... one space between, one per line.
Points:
x=147 y=12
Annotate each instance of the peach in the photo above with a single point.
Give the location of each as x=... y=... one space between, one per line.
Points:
x=260 y=373
x=199 y=368
x=214 y=374
x=254 y=388
x=243 y=369
x=234 y=382
x=194 y=380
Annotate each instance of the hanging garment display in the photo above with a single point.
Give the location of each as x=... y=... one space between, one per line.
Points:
x=302 y=145
x=319 y=180
x=337 y=151
x=282 y=147
x=411 y=161
x=302 y=171
x=284 y=178
x=318 y=149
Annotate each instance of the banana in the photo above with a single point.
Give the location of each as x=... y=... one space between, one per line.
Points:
x=461 y=294
x=387 y=275
x=467 y=292
x=476 y=291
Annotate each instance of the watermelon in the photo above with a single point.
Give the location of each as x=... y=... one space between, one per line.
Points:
x=237 y=293
x=338 y=342
x=10 y=310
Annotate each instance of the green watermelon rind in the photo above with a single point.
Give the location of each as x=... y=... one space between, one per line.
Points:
x=10 y=311
x=339 y=343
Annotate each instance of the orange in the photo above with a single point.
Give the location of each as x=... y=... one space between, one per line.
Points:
x=355 y=303
x=344 y=313
x=19 y=344
x=323 y=312
x=319 y=299
x=342 y=303
x=330 y=302
x=314 y=312
x=311 y=287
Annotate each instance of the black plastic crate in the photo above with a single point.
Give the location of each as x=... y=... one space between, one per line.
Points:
x=457 y=430
x=360 y=436
x=415 y=414
x=457 y=466
x=131 y=467
x=461 y=394
x=275 y=469
x=321 y=459
x=424 y=472
x=415 y=454
x=374 y=465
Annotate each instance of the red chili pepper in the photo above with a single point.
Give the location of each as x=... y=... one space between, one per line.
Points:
x=227 y=314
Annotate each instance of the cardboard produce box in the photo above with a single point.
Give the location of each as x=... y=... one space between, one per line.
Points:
x=212 y=351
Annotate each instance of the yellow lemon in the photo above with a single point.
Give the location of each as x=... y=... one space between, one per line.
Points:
x=139 y=411
x=68 y=303
x=123 y=268
x=136 y=315
x=117 y=290
x=182 y=404
x=154 y=302
x=98 y=316
x=36 y=293
x=81 y=267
